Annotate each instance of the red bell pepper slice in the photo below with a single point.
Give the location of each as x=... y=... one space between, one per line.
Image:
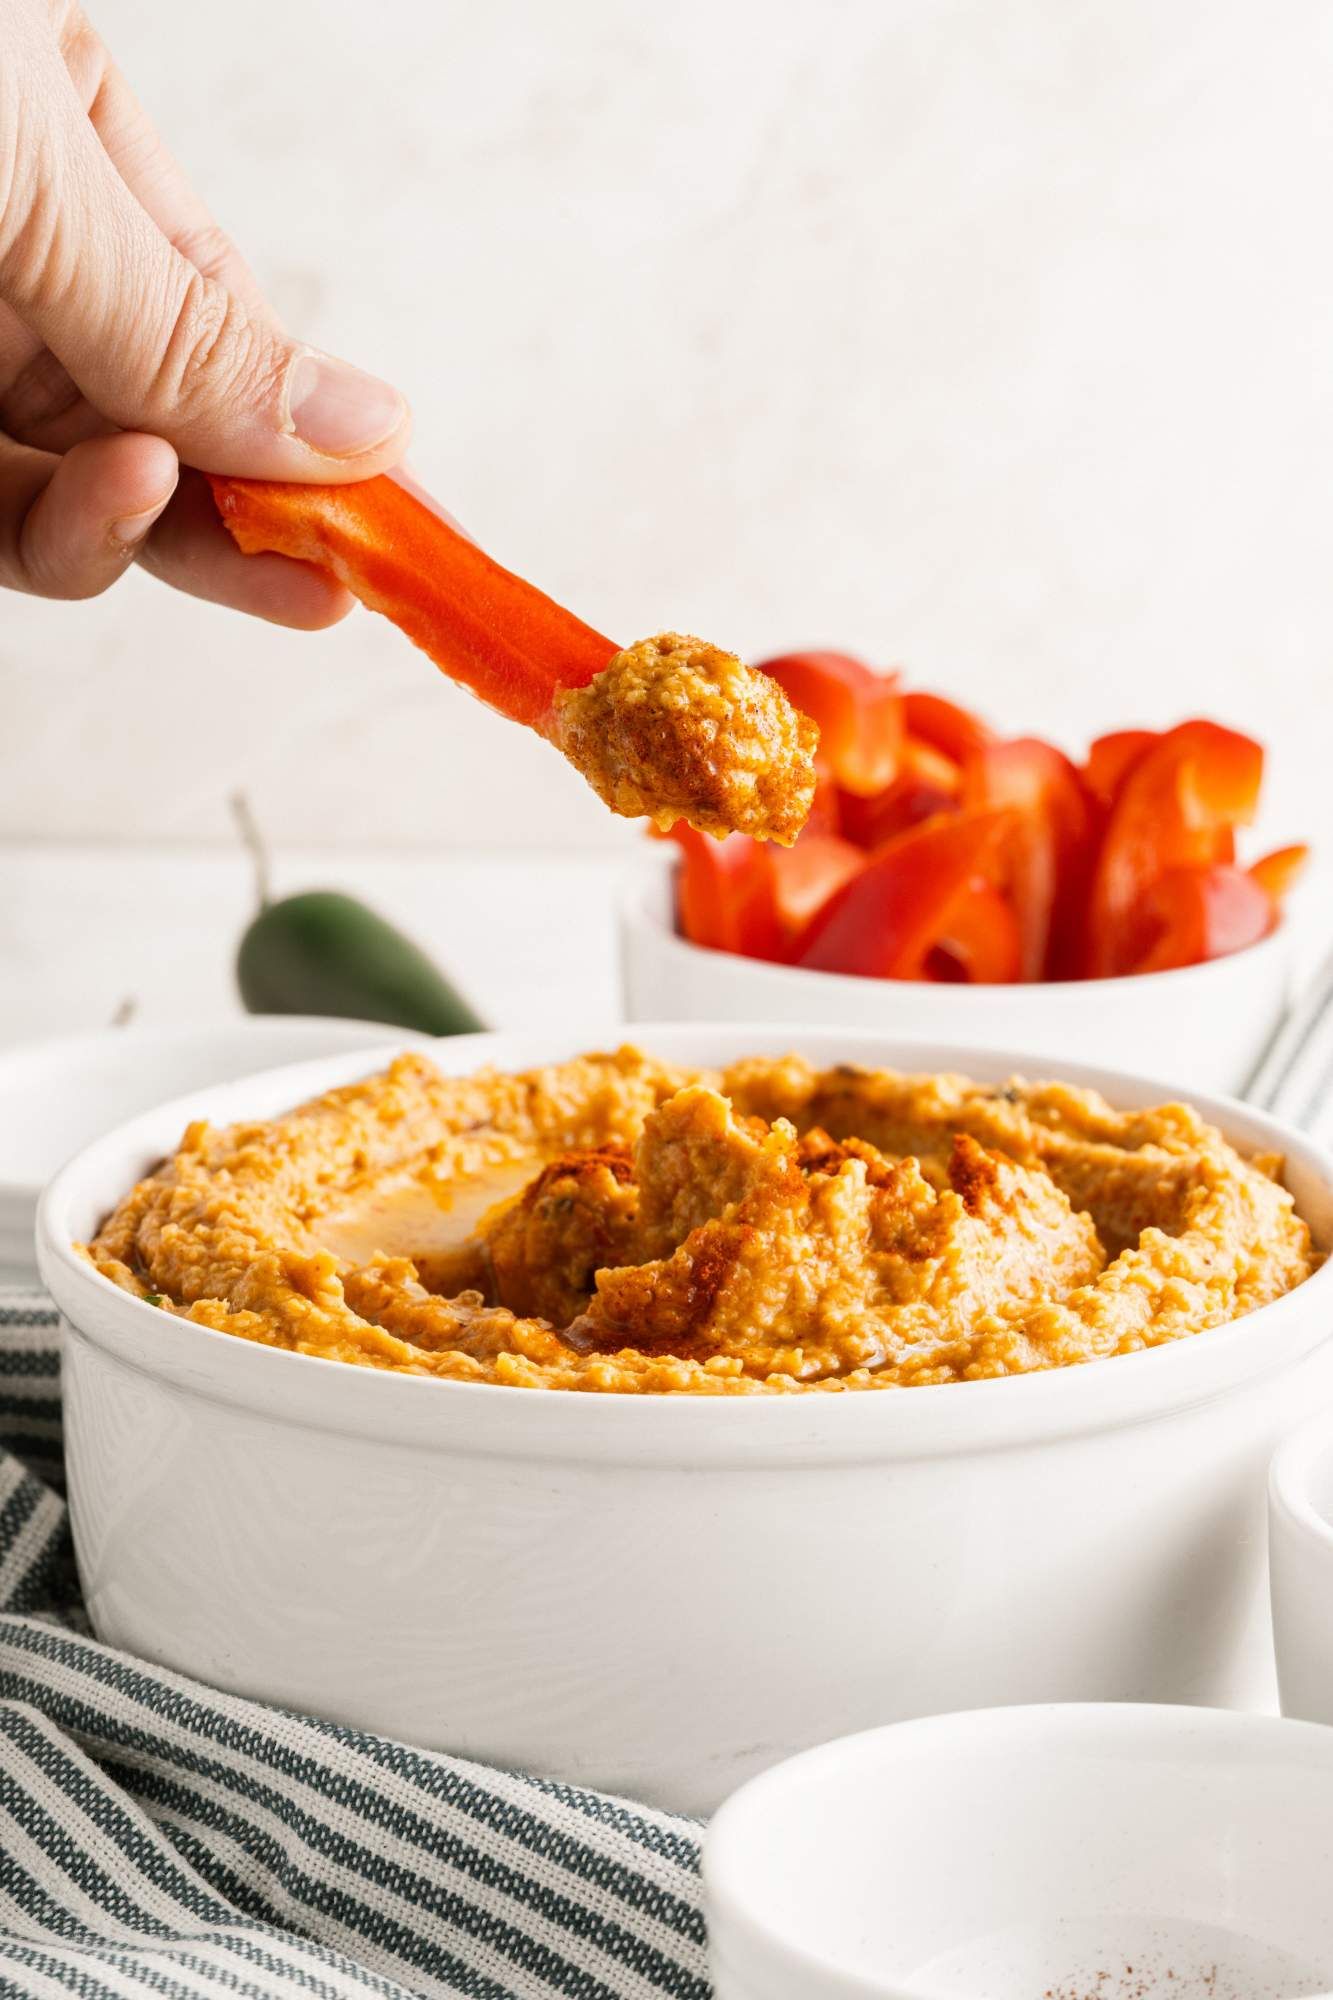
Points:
x=930 y=765
x=1050 y=850
x=1177 y=807
x=859 y=714
x=725 y=893
x=944 y=724
x=1110 y=759
x=884 y=922
x=1279 y=872
x=907 y=802
x=1196 y=914
x=506 y=641
x=825 y=815
x=927 y=783
x=806 y=874
x=981 y=944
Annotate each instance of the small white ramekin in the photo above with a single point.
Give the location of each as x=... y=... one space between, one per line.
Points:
x=1126 y=1851
x=1205 y=1026
x=661 y=1595
x=1300 y=1531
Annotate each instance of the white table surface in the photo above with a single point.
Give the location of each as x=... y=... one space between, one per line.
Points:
x=84 y=931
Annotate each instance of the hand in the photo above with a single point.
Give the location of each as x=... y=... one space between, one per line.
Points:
x=135 y=344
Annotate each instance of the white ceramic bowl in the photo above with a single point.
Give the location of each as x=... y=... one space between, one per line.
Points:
x=1300 y=1532
x=58 y=1094
x=1082 y=1853
x=661 y=1596
x=1205 y=1026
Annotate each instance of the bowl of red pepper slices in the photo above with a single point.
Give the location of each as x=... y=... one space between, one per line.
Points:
x=951 y=879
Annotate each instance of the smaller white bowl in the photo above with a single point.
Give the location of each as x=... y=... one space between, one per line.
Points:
x=1300 y=1547
x=1115 y=1850
x=1205 y=1026
x=57 y=1095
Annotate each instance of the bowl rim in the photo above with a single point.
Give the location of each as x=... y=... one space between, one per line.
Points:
x=643 y=909
x=1056 y=1726
x=1289 y=1481
x=935 y=1419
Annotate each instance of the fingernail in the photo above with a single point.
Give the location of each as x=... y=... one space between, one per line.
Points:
x=338 y=410
x=135 y=526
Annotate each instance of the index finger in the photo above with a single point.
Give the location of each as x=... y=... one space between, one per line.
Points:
x=147 y=166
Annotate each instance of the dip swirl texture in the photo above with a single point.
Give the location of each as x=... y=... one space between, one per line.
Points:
x=616 y=1224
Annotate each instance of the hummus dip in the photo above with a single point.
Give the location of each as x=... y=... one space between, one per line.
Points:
x=678 y=729
x=615 y=1224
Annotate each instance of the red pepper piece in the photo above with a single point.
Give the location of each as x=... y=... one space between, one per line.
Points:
x=884 y=922
x=944 y=725
x=1110 y=760
x=859 y=713
x=1177 y=807
x=1279 y=872
x=484 y=626
x=931 y=766
x=1050 y=847
x=725 y=893
x=1195 y=914
x=982 y=944
x=806 y=874
x=927 y=783
x=825 y=808
x=907 y=802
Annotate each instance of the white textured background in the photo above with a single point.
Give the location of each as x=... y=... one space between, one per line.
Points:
x=994 y=339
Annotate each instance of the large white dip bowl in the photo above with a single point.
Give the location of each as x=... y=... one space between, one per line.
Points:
x=1118 y=1851
x=662 y=1596
x=1205 y=1026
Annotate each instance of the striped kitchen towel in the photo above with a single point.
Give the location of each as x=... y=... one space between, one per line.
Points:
x=157 y=1837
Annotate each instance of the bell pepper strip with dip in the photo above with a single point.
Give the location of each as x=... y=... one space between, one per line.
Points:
x=672 y=728
x=1122 y=864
